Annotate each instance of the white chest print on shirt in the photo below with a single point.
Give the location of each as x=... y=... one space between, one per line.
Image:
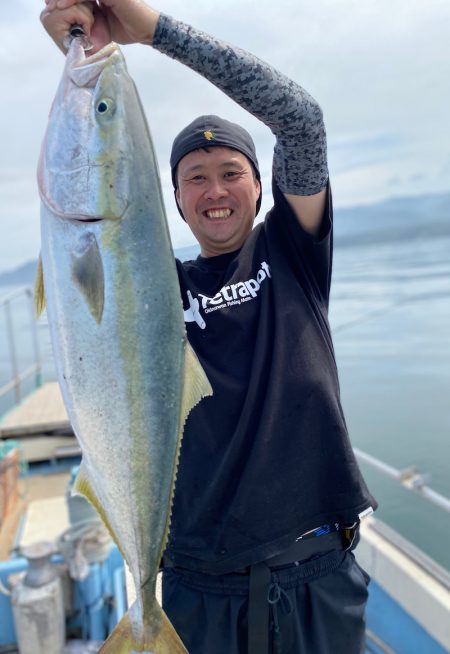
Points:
x=193 y=314
x=228 y=296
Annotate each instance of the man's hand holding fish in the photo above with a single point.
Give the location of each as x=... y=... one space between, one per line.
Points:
x=111 y=20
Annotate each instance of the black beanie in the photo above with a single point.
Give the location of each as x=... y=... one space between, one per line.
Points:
x=213 y=131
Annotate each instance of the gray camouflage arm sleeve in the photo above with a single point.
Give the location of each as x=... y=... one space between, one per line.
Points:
x=295 y=118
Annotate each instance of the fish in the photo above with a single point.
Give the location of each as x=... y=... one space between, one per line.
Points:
x=107 y=278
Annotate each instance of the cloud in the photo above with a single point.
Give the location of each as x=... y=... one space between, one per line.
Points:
x=20 y=220
x=356 y=150
x=374 y=182
x=379 y=70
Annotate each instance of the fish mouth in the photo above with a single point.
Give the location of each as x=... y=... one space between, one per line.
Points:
x=104 y=53
x=85 y=71
x=82 y=220
x=87 y=220
x=79 y=217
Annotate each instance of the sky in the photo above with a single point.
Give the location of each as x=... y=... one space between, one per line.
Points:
x=380 y=70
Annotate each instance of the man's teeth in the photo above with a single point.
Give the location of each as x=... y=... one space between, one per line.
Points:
x=218 y=213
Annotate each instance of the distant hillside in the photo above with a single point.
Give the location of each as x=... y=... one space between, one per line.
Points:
x=426 y=216
x=24 y=275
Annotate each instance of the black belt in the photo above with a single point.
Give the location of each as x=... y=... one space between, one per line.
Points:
x=260 y=573
x=306 y=547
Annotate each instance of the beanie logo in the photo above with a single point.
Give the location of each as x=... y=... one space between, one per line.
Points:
x=208 y=135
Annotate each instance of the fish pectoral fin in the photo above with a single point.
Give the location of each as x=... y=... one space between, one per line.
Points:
x=196 y=384
x=88 y=275
x=39 y=289
x=158 y=637
x=83 y=486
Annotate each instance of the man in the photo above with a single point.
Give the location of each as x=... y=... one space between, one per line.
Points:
x=269 y=495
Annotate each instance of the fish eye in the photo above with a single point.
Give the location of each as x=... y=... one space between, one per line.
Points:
x=105 y=105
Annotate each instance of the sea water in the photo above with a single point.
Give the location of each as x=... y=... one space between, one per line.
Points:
x=390 y=317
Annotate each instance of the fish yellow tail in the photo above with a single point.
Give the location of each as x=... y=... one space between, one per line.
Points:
x=155 y=640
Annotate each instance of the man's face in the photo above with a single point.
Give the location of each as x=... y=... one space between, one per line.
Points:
x=217 y=193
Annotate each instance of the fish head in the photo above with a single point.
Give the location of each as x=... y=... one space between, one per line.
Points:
x=84 y=167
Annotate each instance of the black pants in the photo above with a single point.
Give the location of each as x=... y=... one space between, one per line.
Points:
x=316 y=607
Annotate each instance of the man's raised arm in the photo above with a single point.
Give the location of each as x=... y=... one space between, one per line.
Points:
x=295 y=118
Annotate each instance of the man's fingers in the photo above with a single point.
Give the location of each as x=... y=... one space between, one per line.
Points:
x=65 y=4
x=58 y=22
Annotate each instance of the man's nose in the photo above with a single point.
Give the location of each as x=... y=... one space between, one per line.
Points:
x=215 y=189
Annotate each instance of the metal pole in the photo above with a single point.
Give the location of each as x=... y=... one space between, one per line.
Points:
x=409 y=478
x=436 y=498
x=36 y=369
x=376 y=463
x=34 y=335
x=12 y=350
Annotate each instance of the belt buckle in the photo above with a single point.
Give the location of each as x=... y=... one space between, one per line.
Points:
x=350 y=532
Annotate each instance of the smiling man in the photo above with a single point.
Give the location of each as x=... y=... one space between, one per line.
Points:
x=269 y=496
x=217 y=191
x=216 y=177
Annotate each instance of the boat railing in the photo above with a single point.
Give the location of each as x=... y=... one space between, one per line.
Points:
x=18 y=376
x=410 y=478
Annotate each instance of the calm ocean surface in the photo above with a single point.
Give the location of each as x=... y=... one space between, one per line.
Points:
x=390 y=315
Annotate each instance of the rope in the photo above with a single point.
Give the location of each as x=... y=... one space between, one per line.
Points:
x=84 y=543
x=12 y=463
x=4 y=590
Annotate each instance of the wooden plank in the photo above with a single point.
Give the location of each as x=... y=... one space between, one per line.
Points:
x=34 y=430
x=9 y=480
x=42 y=487
x=67 y=450
x=45 y=448
x=45 y=520
x=41 y=412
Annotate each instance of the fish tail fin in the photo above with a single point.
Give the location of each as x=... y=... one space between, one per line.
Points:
x=159 y=637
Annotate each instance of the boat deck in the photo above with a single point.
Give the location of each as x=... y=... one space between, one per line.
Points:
x=39 y=429
x=39 y=511
x=42 y=429
x=41 y=425
x=47 y=511
x=390 y=629
x=41 y=411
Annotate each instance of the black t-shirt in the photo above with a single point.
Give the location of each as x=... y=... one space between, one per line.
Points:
x=267 y=457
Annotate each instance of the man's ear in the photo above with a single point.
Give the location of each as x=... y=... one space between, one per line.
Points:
x=176 y=193
x=259 y=187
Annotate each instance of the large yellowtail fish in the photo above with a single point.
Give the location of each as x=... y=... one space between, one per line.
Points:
x=127 y=373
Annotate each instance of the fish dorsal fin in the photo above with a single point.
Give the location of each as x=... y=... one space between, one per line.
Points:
x=195 y=387
x=88 y=275
x=83 y=486
x=196 y=384
x=39 y=289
